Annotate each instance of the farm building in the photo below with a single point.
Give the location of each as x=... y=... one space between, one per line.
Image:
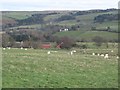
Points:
x=46 y=45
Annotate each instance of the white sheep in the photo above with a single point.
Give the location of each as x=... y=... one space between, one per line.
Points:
x=98 y=54
x=106 y=56
x=71 y=52
x=74 y=51
x=3 y=48
x=48 y=52
x=93 y=54
x=21 y=47
x=102 y=55
x=117 y=57
x=9 y=48
x=111 y=50
x=25 y=48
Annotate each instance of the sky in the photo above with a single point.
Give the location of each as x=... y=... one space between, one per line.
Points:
x=41 y=5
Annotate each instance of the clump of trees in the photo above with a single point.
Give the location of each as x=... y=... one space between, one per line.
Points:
x=8 y=22
x=67 y=42
x=34 y=19
x=105 y=17
x=99 y=40
x=7 y=40
x=91 y=11
x=21 y=38
x=65 y=17
x=33 y=39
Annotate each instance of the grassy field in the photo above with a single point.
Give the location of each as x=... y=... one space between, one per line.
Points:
x=88 y=35
x=35 y=68
x=17 y=15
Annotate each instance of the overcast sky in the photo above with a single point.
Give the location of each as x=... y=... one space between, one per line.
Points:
x=40 y=5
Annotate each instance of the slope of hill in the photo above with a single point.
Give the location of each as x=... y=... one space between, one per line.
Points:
x=83 y=21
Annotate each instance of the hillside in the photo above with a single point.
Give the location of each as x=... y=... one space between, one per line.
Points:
x=80 y=24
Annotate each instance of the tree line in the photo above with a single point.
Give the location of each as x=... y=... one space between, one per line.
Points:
x=34 y=39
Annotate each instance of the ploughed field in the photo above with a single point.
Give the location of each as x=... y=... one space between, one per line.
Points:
x=36 y=68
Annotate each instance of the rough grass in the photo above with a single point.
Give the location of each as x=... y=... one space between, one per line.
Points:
x=17 y=15
x=35 y=68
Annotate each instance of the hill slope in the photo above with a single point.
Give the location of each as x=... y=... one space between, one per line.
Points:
x=81 y=26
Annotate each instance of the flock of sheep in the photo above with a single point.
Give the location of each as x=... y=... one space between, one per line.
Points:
x=10 y=48
x=106 y=56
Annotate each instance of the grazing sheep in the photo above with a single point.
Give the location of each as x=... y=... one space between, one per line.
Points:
x=102 y=55
x=48 y=52
x=106 y=56
x=25 y=48
x=51 y=51
x=74 y=51
x=3 y=48
x=117 y=57
x=9 y=48
x=98 y=54
x=21 y=47
x=71 y=52
x=111 y=50
x=93 y=54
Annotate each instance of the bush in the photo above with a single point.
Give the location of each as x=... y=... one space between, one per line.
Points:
x=98 y=40
x=83 y=46
x=67 y=42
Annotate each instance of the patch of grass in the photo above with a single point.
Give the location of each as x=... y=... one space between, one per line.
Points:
x=113 y=25
x=68 y=22
x=35 y=68
x=17 y=15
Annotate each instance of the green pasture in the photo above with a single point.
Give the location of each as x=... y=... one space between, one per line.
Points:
x=35 y=68
x=88 y=35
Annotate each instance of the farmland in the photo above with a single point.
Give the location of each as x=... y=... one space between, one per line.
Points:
x=90 y=34
x=35 y=68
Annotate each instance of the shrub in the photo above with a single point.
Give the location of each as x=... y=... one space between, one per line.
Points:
x=98 y=40
x=67 y=42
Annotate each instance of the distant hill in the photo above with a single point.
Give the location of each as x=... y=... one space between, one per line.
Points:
x=80 y=24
